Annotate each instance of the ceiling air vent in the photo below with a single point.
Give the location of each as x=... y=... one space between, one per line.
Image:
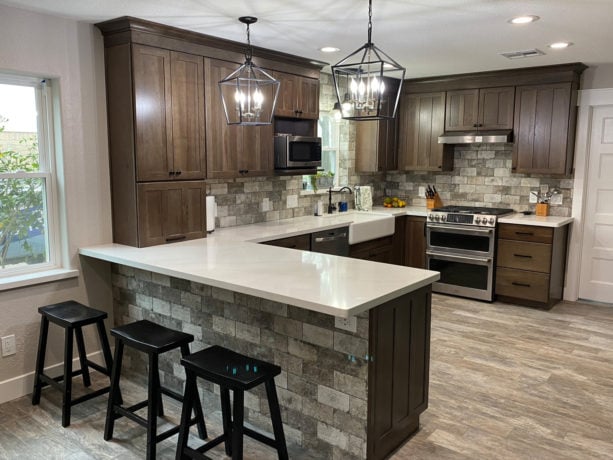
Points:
x=522 y=54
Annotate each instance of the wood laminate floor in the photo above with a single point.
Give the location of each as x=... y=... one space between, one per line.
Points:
x=506 y=382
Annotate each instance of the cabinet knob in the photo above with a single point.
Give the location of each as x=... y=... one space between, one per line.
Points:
x=177 y=173
x=171 y=173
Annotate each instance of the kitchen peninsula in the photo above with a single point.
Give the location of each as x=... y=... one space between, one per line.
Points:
x=351 y=394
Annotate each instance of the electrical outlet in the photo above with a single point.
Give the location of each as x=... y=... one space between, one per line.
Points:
x=347 y=324
x=422 y=192
x=8 y=345
x=292 y=201
x=534 y=196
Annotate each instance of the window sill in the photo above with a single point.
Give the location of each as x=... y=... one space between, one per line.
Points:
x=30 y=279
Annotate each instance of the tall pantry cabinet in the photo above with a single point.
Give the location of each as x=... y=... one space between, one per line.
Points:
x=155 y=100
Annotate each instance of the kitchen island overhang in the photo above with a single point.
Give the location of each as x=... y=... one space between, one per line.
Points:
x=340 y=392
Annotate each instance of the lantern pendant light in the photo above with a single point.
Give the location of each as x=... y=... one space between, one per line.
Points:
x=368 y=82
x=249 y=94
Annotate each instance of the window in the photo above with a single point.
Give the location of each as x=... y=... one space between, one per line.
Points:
x=28 y=225
x=328 y=128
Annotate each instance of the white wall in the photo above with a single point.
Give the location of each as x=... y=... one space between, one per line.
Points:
x=598 y=77
x=72 y=53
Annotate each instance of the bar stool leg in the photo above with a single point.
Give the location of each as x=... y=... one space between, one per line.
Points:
x=152 y=410
x=160 y=403
x=106 y=353
x=186 y=413
x=82 y=356
x=200 y=424
x=67 y=383
x=275 y=416
x=114 y=392
x=226 y=419
x=237 y=424
x=40 y=359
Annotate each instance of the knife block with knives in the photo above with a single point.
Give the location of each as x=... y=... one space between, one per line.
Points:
x=433 y=200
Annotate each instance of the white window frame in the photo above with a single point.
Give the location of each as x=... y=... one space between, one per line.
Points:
x=52 y=269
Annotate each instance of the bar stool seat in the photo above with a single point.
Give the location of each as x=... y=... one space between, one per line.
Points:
x=72 y=316
x=154 y=340
x=239 y=373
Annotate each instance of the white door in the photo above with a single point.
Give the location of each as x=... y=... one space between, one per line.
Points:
x=596 y=278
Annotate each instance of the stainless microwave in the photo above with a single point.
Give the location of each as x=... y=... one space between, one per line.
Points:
x=297 y=151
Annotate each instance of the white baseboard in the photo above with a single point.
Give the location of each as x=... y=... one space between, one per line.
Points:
x=21 y=385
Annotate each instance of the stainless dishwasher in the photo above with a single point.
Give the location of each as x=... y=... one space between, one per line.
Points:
x=334 y=241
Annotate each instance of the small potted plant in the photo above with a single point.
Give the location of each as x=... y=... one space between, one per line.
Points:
x=323 y=179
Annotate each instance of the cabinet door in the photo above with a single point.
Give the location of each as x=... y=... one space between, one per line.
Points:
x=543 y=114
x=415 y=242
x=153 y=113
x=420 y=121
x=496 y=108
x=308 y=98
x=223 y=141
x=171 y=211
x=256 y=156
x=462 y=110
x=398 y=375
x=379 y=250
x=287 y=98
x=188 y=143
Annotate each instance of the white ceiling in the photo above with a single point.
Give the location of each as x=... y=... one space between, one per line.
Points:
x=428 y=37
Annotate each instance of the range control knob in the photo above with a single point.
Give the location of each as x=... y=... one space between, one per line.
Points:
x=492 y=220
x=437 y=217
x=443 y=217
x=477 y=220
x=430 y=217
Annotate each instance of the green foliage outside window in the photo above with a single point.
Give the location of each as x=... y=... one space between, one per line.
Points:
x=21 y=202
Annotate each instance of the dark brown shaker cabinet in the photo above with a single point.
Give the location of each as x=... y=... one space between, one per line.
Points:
x=169 y=114
x=480 y=109
x=375 y=146
x=298 y=96
x=233 y=150
x=171 y=211
x=421 y=119
x=544 y=128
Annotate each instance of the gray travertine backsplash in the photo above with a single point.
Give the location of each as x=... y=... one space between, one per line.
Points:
x=481 y=176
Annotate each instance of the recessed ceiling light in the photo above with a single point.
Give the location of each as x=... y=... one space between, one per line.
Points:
x=560 y=45
x=523 y=19
x=329 y=49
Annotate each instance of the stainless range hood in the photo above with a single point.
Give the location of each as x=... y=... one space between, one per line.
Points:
x=476 y=137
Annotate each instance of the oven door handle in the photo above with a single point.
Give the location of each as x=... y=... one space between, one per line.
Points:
x=454 y=256
x=460 y=230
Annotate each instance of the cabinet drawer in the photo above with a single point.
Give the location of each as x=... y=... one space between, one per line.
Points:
x=524 y=256
x=522 y=284
x=525 y=233
x=302 y=242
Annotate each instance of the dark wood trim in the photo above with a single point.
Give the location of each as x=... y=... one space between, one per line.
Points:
x=129 y=29
x=506 y=77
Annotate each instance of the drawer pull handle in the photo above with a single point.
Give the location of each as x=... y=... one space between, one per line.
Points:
x=523 y=256
x=515 y=283
x=525 y=233
x=175 y=238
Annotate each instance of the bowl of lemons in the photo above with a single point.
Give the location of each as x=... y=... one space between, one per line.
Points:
x=393 y=202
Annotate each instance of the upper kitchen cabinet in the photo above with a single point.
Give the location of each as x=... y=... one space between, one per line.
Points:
x=233 y=151
x=544 y=128
x=421 y=119
x=298 y=96
x=168 y=114
x=480 y=109
x=375 y=146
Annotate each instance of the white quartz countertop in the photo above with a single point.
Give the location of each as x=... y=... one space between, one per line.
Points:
x=338 y=286
x=539 y=221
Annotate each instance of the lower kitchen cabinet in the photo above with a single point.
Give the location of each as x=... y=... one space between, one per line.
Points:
x=530 y=264
x=379 y=250
x=398 y=372
x=415 y=242
x=170 y=211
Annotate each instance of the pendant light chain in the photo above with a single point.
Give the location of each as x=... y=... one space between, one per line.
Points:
x=249 y=51
x=369 y=22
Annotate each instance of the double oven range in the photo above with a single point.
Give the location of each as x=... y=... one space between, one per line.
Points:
x=461 y=245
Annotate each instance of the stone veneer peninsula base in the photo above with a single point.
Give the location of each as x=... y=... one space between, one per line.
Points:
x=343 y=395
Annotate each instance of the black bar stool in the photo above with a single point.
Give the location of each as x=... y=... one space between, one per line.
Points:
x=154 y=340
x=72 y=316
x=236 y=372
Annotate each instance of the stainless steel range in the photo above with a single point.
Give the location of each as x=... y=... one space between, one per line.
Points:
x=461 y=245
